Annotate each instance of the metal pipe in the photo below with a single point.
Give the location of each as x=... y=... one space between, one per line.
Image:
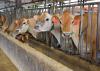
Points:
x=71 y=5
x=98 y=33
x=89 y=24
x=80 y=32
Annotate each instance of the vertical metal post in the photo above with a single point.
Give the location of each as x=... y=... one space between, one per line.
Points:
x=7 y=11
x=90 y=25
x=73 y=10
x=80 y=33
x=98 y=34
x=62 y=5
x=53 y=7
x=18 y=5
x=69 y=6
x=49 y=7
x=45 y=4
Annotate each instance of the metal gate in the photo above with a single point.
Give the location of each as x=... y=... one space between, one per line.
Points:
x=89 y=35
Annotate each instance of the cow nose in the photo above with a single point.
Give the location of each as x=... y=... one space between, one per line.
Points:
x=53 y=22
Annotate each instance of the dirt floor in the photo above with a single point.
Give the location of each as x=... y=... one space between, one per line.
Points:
x=5 y=63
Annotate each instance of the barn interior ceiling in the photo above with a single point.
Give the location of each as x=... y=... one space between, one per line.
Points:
x=7 y=3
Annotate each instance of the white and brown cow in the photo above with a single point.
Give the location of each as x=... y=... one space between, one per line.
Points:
x=30 y=25
x=14 y=26
x=40 y=23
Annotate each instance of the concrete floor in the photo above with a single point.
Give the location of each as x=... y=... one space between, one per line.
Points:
x=5 y=63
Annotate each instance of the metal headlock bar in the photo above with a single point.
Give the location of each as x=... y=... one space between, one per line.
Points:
x=71 y=5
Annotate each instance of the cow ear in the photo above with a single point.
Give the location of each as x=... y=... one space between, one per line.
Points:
x=55 y=20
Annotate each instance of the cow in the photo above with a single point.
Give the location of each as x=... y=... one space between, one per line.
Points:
x=66 y=20
x=39 y=23
x=87 y=31
x=16 y=24
x=29 y=25
x=71 y=23
x=3 y=22
x=11 y=29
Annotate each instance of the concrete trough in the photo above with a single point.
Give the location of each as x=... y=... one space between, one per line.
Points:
x=26 y=58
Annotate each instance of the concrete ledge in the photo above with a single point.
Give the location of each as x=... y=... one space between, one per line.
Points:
x=26 y=58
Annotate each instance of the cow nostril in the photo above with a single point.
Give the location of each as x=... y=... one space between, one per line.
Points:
x=52 y=22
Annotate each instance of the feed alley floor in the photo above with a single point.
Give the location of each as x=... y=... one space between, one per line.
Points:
x=5 y=63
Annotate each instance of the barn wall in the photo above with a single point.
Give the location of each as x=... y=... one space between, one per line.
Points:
x=26 y=58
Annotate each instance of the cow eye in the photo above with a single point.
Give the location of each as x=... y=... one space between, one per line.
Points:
x=47 y=19
x=24 y=23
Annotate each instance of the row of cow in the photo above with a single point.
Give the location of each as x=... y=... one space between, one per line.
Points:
x=58 y=27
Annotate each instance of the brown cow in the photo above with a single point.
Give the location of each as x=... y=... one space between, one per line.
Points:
x=88 y=37
x=3 y=22
x=67 y=26
x=23 y=30
x=16 y=24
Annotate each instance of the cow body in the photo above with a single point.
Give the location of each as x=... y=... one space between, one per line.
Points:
x=88 y=32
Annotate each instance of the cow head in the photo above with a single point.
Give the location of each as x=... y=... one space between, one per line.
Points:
x=23 y=27
x=16 y=24
x=66 y=21
x=46 y=23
